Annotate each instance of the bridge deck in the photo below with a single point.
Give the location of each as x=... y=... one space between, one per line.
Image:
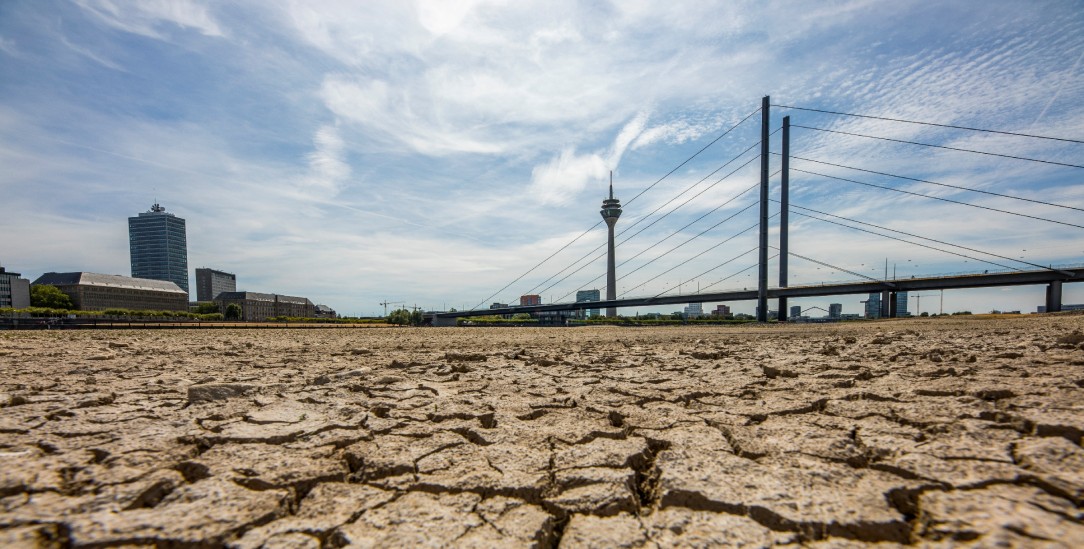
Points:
x=978 y=280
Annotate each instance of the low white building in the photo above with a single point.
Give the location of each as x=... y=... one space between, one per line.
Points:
x=694 y=310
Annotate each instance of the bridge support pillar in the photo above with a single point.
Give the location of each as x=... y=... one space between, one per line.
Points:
x=762 y=277
x=885 y=298
x=892 y=312
x=1053 y=296
x=784 y=221
x=443 y=322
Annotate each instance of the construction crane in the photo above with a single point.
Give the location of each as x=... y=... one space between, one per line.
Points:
x=918 y=301
x=385 y=303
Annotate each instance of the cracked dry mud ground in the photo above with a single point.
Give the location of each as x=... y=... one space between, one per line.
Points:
x=935 y=432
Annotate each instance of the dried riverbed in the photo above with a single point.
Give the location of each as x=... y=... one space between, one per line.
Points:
x=933 y=432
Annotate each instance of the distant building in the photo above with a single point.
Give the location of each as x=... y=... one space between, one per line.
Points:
x=210 y=283
x=876 y=308
x=526 y=300
x=496 y=305
x=98 y=292
x=257 y=306
x=158 y=246
x=835 y=310
x=323 y=311
x=795 y=311
x=873 y=305
x=14 y=290
x=589 y=295
x=721 y=310
x=555 y=318
x=901 y=304
x=694 y=310
x=1078 y=307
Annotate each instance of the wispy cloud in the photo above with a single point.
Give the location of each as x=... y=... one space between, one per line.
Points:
x=7 y=46
x=147 y=17
x=328 y=169
x=566 y=175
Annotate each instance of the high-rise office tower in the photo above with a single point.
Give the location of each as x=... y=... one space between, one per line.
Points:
x=611 y=210
x=873 y=305
x=158 y=246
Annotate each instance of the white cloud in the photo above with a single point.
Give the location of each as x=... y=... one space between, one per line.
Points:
x=7 y=46
x=388 y=115
x=328 y=170
x=565 y=175
x=441 y=16
x=85 y=52
x=146 y=16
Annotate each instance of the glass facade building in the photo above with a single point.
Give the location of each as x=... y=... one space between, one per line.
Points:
x=589 y=295
x=835 y=310
x=159 y=247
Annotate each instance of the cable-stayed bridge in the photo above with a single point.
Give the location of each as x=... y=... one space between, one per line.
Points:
x=733 y=201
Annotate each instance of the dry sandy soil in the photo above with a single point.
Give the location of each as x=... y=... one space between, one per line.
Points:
x=934 y=432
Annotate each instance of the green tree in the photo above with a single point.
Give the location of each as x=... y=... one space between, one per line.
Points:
x=47 y=295
x=399 y=317
x=416 y=318
x=233 y=312
x=207 y=308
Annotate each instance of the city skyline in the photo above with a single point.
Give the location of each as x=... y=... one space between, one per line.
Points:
x=432 y=152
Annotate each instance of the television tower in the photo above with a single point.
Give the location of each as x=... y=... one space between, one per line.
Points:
x=611 y=210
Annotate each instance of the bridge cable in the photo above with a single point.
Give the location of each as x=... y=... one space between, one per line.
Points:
x=713 y=210
x=688 y=240
x=732 y=259
x=913 y=243
x=644 y=218
x=755 y=225
x=573 y=241
x=743 y=210
x=940 y=198
x=836 y=267
x=686 y=161
x=915 y=236
x=671 y=269
x=933 y=124
x=596 y=258
x=991 y=193
x=939 y=146
x=641 y=252
x=754 y=265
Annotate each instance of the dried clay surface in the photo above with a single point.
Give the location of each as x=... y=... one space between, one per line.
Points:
x=934 y=432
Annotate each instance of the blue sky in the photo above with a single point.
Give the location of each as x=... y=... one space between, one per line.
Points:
x=431 y=152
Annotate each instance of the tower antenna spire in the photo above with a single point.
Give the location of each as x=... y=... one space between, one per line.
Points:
x=611 y=184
